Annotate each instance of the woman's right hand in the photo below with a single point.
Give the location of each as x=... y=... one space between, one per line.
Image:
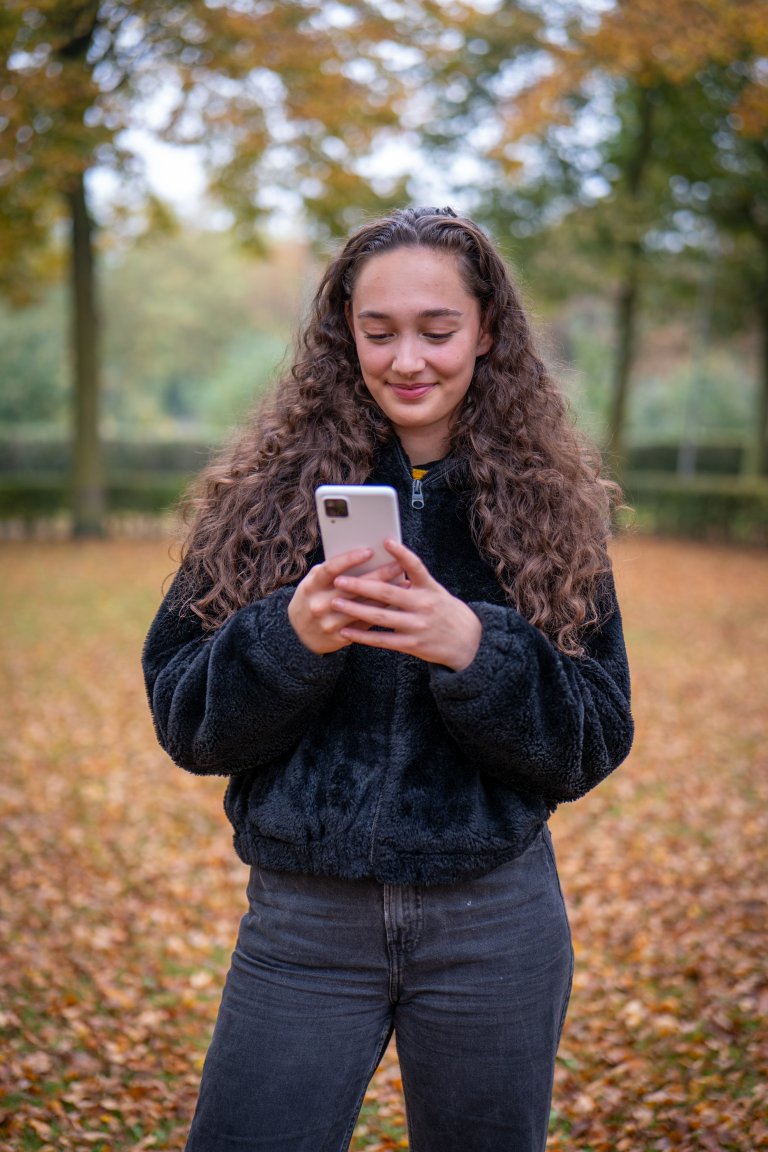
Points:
x=314 y=621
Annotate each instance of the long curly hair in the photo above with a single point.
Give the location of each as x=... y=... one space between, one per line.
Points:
x=540 y=511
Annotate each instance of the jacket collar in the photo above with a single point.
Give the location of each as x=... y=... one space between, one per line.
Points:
x=392 y=466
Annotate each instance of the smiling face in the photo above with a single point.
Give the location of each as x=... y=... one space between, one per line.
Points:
x=418 y=332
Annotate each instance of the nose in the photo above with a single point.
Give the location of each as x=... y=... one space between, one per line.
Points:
x=408 y=359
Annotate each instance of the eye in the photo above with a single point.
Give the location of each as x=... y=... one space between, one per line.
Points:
x=377 y=337
x=438 y=337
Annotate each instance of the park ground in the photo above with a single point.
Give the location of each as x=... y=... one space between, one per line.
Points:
x=120 y=892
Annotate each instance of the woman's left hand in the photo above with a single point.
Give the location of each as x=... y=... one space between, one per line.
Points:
x=422 y=617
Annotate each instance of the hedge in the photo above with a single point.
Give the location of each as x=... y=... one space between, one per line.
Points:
x=715 y=458
x=702 y=507
x=706 y=508
x=27 y=497
x=54 y=457
x=25 y=455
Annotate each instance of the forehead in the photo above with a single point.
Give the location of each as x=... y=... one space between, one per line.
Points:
x=418 y=276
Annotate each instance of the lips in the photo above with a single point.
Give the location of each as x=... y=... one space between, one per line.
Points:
x=411 y=391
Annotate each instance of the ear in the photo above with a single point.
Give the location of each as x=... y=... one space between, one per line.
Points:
x=484 y=343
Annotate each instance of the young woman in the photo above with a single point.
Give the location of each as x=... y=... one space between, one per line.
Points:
x=395 y=743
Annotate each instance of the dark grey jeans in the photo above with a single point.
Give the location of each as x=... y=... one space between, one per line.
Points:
x=473 y=979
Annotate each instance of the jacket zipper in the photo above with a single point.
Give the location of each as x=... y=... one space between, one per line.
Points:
x=417 y=494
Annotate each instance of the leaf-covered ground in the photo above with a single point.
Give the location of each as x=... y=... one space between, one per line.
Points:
x=120 y=893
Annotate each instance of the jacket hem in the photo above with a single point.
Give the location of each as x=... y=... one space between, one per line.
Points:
x=387 y=865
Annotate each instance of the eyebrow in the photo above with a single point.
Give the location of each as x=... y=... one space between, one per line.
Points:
x=427 y=314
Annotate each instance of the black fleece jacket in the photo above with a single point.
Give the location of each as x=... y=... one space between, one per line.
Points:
x=366 y=763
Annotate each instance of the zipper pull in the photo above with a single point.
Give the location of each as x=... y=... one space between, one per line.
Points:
x=417 y=496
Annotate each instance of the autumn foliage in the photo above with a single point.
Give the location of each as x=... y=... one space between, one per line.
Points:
x=121 y=893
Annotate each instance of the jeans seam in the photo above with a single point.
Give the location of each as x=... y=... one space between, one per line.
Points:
x=389 y=894
x=564 y=1012
x=566 y=1000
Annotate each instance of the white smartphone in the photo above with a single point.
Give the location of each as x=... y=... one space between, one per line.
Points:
x=358 y=516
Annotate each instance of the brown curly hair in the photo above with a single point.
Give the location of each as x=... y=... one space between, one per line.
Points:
x=540 y=512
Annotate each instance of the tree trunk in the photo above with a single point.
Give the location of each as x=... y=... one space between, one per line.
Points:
x=627 y=299
x=756 y=447
x=760 y=449
x=761 y=429
x=626 y=324
x=687 y=451
x=87 y=480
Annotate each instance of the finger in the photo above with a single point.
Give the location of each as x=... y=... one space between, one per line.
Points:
x=416 y=569
x=386 y=573
x=392 y=641
x=319 y=606
x=332 y=622
x=332 y=617
x=338 y=564
x=376 y=615
x=396 y=595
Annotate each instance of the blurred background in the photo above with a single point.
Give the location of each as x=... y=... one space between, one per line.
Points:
x=173 y=176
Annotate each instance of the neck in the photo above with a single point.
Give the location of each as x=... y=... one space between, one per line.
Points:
x=421 y=446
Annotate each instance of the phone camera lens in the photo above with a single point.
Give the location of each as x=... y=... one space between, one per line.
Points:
x=336 y=508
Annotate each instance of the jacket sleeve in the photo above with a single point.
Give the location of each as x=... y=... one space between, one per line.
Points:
x=236 y=698
x=535 y=718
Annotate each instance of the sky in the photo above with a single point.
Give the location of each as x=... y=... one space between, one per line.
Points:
x=175 y=175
